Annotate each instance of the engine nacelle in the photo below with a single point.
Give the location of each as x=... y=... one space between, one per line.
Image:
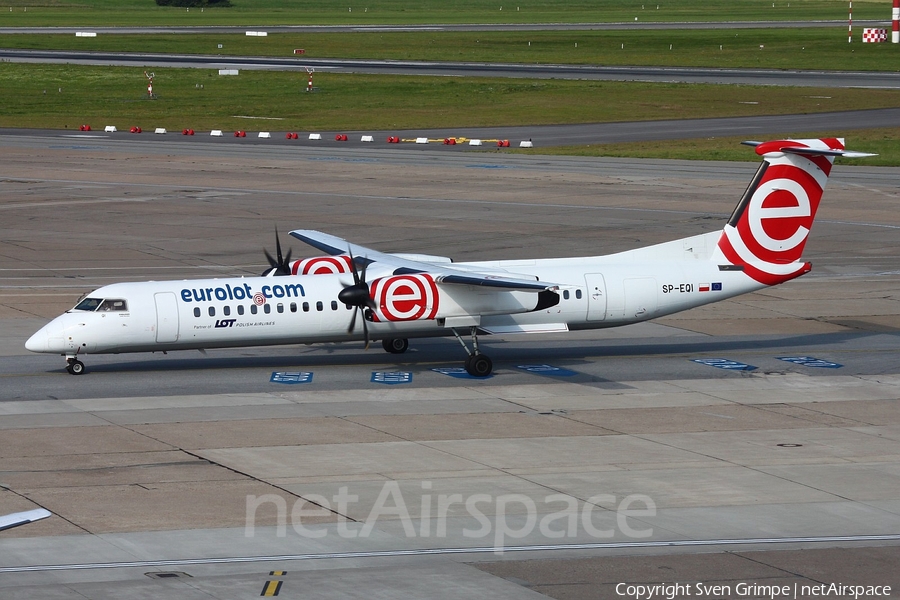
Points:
x=418 y=296
x=322 y=265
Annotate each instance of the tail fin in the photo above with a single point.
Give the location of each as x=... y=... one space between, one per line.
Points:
x=767 y=231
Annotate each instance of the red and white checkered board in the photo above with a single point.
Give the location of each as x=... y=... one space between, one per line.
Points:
x=874 y=36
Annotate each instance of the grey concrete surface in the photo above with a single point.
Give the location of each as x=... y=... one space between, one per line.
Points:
x=783 y=474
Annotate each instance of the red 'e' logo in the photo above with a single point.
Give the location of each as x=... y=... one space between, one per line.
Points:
x=406 y=297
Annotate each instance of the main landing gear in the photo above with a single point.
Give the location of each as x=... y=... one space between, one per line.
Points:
x=477 y=364
x=395 y=345
x=74 y=366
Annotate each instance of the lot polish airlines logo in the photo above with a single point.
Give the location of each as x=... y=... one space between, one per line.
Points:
x=322 y=265
x=405 y=297
x=770 y=233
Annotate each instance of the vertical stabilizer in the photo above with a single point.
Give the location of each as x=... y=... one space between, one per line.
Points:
x=768 y=229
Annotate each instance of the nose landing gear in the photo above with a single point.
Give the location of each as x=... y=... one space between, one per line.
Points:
x=74 y=366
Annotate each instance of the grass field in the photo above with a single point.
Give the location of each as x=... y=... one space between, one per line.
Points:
x=30 y=96
x=824 y=48
x=371 y=12
x=54 y=96
x=883 y=141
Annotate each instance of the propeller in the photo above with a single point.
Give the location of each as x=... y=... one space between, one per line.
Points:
x=279 y=265
x=358 y=296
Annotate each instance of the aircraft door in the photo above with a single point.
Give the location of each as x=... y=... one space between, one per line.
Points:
x=641 y=299
x=596 y=291
x=166 y=317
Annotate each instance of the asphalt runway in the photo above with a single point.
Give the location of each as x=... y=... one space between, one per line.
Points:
x=637 y=25
x=539 y=135
x=825 y=79
x=786 y=474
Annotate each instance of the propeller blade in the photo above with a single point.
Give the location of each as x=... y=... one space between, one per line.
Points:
x=356 y=279
x=357 y=296
x=272 y=261
x=280 y=265
x=278 y=246
x=365 y=332
x=353 y=321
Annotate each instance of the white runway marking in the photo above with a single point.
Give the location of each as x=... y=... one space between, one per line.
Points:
x=439 y=551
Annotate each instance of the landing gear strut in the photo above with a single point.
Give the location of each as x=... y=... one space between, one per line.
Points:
x=74 y=366
x=477 y=364
x=395 y=345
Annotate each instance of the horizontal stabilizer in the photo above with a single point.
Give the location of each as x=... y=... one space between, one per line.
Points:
x=793 y=147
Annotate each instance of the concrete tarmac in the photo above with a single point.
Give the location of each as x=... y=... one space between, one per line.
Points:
x=191 y=476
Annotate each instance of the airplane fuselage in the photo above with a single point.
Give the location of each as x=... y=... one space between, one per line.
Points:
x=596 y=292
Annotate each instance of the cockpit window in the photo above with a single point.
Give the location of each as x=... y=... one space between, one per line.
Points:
x=113 y=306
x=89 y=304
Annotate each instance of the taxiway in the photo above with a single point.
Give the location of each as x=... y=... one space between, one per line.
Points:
x=787 y=473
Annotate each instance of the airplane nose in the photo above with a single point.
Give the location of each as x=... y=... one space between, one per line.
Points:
x=48 y=338
x=38 y=341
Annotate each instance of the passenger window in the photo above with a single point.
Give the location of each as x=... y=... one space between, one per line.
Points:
x=240 y=309
x=196 y=311
x=319 y=306
x=334 y=305
x=565 y=294
x=280 y=307
x=212 y=311
x=226 y=311
x=253 y=309
x=293 y=307
x=89 y=304
x=113 y=306
x=578 y=294
x=267 y=308
x=306 y=307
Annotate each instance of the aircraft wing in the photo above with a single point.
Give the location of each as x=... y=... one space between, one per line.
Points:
x=442 y=273
x=23 y=518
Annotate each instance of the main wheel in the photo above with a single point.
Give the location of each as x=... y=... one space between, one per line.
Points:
x=479 y=365
x=395 y=345
x=75 y=367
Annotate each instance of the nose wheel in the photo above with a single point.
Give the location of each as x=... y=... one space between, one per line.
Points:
x=74 y=366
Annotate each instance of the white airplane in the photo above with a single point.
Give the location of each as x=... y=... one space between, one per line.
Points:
x=409 y=296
